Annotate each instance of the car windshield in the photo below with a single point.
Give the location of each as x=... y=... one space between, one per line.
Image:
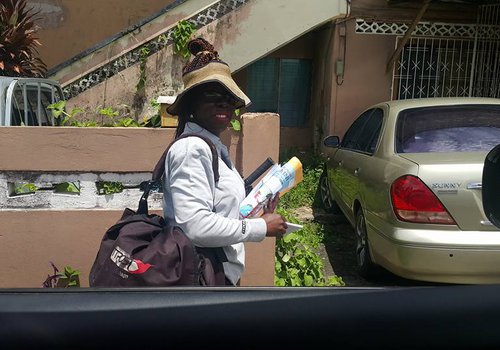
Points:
x=470 y=128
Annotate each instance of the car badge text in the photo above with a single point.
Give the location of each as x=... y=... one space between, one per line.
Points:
x=448 y=187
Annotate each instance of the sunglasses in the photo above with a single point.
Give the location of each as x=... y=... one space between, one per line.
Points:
x=217 y=97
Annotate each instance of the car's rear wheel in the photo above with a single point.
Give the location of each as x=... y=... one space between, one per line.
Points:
x=326 y=197
x=366 y=267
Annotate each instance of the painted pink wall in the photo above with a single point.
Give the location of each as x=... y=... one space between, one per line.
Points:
x=365 y=80
x=30 y=239
x=69 y=27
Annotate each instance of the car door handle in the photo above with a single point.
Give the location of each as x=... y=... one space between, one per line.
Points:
x=356 y=172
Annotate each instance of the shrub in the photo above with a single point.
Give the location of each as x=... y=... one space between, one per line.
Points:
x=296 y=261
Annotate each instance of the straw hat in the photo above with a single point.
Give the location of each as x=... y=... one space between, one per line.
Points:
x=206 y=67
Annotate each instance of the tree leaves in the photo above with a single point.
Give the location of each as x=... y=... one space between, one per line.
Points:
x=18 y=45
x=181 y=36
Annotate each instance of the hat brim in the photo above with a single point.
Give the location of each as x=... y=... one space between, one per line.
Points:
x=214 y=72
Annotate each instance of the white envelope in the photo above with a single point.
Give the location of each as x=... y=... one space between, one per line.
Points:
x=292 y=228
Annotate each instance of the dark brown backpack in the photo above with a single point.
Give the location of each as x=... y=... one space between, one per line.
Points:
x=143 y=249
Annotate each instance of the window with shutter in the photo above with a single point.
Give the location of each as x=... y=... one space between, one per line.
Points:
x=281 y=86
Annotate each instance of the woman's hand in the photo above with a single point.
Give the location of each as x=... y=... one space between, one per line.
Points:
x=276 y=225
x=271 y=205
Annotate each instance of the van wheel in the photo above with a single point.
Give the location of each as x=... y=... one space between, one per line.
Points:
x=327 y=200
x=366 y=267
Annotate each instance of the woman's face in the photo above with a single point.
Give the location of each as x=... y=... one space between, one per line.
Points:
x=214 y=109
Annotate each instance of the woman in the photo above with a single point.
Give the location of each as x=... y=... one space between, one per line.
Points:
x=208 y=212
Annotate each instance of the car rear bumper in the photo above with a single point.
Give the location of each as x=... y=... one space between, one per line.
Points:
x=445 y=256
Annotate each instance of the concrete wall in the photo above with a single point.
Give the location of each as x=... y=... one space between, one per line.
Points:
x=365 y=80
x=69 y=27
x=127 y=42
x=70 y=234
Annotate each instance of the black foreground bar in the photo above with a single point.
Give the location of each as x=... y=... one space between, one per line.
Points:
x=441 y=317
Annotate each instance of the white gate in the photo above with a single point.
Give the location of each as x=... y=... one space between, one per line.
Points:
x=451 y=60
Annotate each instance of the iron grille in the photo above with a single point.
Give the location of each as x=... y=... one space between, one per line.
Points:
x=452 y=67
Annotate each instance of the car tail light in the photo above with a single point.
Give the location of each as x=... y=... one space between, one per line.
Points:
x=413 y=201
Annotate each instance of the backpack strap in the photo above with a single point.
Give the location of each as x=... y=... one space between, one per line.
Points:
x=159 y=170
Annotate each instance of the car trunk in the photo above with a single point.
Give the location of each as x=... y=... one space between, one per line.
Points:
x=455 y=178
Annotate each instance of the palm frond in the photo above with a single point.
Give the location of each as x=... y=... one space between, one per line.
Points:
x=18 y=41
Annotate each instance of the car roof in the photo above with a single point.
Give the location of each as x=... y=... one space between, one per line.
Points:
x=397 y=106
x=5 y=81
x=438 y=101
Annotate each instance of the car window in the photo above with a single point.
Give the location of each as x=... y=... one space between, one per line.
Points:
x=467 y=128
x=364 y=132
x=351 y=137
x=369 y=136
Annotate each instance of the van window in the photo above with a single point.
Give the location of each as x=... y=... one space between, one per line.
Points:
x=27 y=111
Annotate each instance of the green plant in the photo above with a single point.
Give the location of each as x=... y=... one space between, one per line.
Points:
x=140 y=94
x=309 y=159
x=67 y=279
x=296 y=260
x=67 y=187
x=126 y=122
x=108 y=112
x=18 y=44
x=181 y=35
x=68 y=119
x=155 y=120
x=235 y=122
x=24 y=188
x=163 y=38
x=109 y=187
x=155 y=104
x=305 y=193
x=64 y=118
x=143 y=56
x=111 y=115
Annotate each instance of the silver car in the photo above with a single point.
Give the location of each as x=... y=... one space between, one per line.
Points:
x=407 y=175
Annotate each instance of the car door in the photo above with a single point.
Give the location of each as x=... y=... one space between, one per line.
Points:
x=352 y=160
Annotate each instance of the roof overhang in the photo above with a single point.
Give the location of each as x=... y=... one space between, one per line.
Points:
x=443 y=2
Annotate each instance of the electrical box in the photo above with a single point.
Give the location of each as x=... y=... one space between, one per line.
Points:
x=342 y=31
x=339 y=67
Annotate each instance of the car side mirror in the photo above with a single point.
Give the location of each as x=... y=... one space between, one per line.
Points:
x=331 y=141
x=491 y=186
